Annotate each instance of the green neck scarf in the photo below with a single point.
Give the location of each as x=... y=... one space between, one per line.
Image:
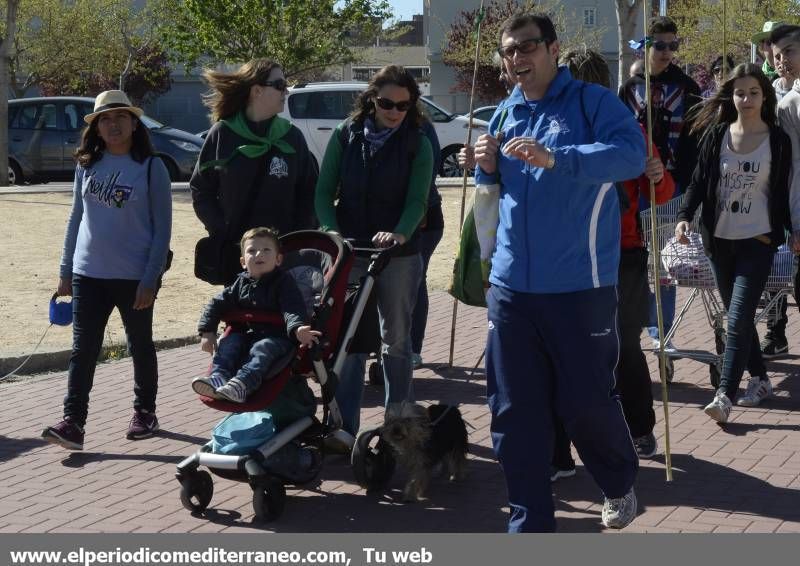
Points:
x=260 y=145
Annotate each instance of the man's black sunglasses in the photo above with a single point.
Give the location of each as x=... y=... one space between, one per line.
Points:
x=387 y=104
x=664 y=45
x=526 y=46
x=277 y=84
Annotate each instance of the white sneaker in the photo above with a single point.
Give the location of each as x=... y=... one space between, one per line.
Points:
x=720 y=408
x=619 y=513
x=668 y=347
x=757 y=390
x=233 y=391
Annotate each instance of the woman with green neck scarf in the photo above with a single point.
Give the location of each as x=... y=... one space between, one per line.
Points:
x=255 y=168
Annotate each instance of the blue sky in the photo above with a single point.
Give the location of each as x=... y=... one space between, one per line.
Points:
x=404 y=9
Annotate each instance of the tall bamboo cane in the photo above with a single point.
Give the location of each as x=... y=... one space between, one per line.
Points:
x=466 y=171
x=662 y=370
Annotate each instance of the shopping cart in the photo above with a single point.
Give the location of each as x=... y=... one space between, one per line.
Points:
x=687 y=266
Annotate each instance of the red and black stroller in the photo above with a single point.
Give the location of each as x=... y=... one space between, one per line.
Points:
x=332 y=258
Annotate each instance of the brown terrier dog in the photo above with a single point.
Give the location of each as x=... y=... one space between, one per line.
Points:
x=423 y=439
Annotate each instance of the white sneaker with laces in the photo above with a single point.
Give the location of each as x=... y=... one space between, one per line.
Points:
x=620 y=512
x=720 y=408
x=758 y=389
x=234 y=391
x=668 y=347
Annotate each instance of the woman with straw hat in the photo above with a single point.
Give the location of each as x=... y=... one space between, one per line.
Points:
x=115 y=251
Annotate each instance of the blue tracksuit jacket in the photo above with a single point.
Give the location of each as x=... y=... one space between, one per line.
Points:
x=559 y=229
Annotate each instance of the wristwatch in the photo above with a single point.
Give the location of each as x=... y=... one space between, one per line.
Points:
x=551 y=159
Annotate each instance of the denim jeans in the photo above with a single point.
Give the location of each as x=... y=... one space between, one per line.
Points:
x=92 y=303
x=248 y=358
x=428 y=240
x=396 y=289
x=741 y=268
x=668 y=298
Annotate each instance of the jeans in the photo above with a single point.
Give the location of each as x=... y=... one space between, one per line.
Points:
x=396 y=289
x=668 y=298
x=92 y=303
x=741 y=268
x=428 y=240
x=249 y=358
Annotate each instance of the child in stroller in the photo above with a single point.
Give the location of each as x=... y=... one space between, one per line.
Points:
x=321 y=262
x=262 y=286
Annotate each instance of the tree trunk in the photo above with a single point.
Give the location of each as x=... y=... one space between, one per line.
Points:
x=627 y=12
x=6 y=44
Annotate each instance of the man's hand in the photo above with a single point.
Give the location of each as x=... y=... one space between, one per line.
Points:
x=145 y=297
x=64 y=288
x=528 y=150
x=306 y=336
x=486 y=153
x=654 y=170
x=466 y=157
x=386 y=239
x=681 y=229
x=208 y=342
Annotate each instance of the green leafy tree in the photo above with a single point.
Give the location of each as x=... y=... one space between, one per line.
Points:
x=88 y=46
x=458 y=51
x=701 y=23
x=303 y=35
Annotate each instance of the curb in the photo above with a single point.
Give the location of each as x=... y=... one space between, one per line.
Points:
x=45 y=362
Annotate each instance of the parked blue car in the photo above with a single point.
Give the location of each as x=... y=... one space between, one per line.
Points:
x=44 y=132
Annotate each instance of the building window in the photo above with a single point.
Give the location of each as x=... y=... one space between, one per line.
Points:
x=589 y=17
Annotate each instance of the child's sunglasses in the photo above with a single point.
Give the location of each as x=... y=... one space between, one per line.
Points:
x=387 y=104
x=664 y=45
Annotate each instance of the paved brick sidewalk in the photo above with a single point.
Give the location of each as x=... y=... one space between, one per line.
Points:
x=743 y=477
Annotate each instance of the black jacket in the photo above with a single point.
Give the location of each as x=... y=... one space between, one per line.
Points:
x=703 y=187
x=274 y=292
x=285 y=186
x=678 y=149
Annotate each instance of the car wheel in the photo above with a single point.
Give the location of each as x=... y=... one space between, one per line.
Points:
x=14 y=173
x=172 y=169
x=450 y=166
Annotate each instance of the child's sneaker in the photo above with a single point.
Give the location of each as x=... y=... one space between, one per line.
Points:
x=757 y=390
x=144 y=424
x=233 y=391
x=66 y=434
x=720 y=408
x=207 y=385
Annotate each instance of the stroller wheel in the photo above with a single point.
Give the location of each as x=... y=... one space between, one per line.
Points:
x=375 y=374
x=197 y=488
x=372 y=460
x=269 y=499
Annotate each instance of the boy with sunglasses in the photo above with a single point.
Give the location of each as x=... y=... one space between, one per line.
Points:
x=673 y=93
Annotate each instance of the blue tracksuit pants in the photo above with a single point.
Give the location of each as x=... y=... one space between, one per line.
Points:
x=555 y=352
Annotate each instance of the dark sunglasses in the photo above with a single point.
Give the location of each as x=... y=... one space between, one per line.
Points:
x=524 y=47
x=387 y=104
x=277 y=84
x=664 y=45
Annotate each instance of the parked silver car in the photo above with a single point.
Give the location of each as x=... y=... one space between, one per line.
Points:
x=44 y=132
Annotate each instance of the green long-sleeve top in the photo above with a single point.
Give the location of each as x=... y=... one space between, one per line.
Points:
x=416 y=203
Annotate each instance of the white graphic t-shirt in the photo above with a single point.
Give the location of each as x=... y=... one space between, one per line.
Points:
x=742 y=193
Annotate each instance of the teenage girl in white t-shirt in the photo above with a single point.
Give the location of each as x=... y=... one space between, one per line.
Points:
x=742 y=182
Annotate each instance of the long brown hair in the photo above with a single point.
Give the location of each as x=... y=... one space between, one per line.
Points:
x=231 y=91
x=388 y=75
x=719 y=109
x=92 y=146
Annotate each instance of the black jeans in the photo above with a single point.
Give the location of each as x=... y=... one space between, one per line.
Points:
x=92 y=303
x=741 y=268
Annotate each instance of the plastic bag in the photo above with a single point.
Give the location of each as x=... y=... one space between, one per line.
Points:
x=241 y=433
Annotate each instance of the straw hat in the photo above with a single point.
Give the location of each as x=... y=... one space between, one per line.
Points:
x=112 y=100
x=768 y=28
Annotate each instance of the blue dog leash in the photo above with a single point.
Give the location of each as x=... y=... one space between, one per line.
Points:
x=60 y=315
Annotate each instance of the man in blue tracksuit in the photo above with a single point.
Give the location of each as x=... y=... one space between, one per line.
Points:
x=554 y=148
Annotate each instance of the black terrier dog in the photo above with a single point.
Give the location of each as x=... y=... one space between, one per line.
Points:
x=424 y=439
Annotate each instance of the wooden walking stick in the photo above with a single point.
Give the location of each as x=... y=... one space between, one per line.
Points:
x=478 y=26
x=662 y=370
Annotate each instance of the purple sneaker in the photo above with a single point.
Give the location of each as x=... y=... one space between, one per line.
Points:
x=66 y=434
x=143 y=425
